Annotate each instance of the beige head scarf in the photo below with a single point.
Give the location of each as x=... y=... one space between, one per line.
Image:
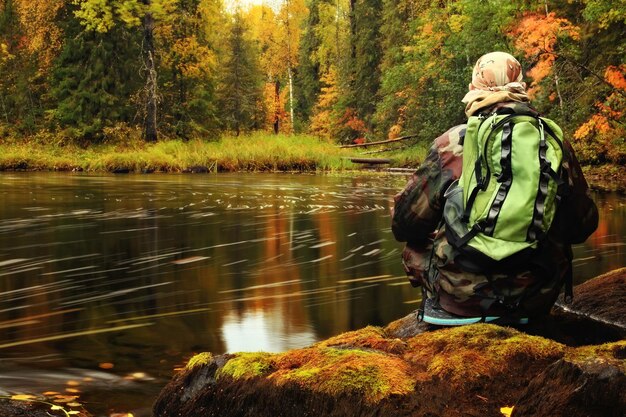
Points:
x=497 y=77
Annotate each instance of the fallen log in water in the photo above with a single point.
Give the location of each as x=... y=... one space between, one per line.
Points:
x=371 y=161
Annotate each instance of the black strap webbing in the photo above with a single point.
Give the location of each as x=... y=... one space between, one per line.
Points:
x=505 y=178
x=477 y=228
x=569 y=285
x=535 y=230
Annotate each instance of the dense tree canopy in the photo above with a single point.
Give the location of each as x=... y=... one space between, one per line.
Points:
x=348 y=70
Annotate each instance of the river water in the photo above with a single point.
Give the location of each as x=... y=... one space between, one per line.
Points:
x=109 y=283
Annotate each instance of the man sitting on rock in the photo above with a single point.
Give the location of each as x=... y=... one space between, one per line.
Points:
x=490 y=215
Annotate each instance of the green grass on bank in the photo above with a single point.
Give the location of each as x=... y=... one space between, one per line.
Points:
x=256 y=152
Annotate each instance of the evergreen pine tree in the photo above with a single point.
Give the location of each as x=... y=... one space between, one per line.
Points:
x=367 y=54
x=241 y=94
x=93 y=79
x=307 y=77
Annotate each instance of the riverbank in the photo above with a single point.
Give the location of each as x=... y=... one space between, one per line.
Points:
x=258 y=152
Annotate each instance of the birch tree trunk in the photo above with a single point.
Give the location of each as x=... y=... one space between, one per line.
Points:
x=149 y=68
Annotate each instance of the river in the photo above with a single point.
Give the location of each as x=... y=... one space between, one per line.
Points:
x=109 y=283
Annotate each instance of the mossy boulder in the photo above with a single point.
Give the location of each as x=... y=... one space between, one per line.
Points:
x=410 y=369
x=478 y=368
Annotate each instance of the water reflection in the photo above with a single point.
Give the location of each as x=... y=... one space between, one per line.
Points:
x=139 y=272
x=263 y=331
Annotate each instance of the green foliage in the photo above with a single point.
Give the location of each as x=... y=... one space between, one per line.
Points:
x=76 y=70
x=122 y=149
x=366 y=57
x=93 y=81
x=240 y=90
x=189 y=66
x=307 y=77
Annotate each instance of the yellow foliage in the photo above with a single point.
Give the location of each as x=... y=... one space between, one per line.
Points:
x=44 y=37
x=457 y=22
x=191 y=58
x=321 y=121
x=275 y=105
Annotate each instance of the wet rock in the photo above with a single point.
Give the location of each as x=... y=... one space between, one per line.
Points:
x=601 y=299
x=589 y=382
x=196 y=169
x=37 y=408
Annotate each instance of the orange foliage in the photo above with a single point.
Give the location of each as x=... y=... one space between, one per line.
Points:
x=601 y=137
x=536 y=36
x=596 y=124
x=616 y=76
x=352 y=121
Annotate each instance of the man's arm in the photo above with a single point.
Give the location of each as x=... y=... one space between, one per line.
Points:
x=419 y=206
x=578 y=212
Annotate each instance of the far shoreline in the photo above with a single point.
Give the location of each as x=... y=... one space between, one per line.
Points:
x=254 y=153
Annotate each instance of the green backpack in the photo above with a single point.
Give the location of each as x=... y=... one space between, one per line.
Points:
x=505 y=200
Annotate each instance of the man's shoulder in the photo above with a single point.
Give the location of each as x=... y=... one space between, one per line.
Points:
x=452 y=140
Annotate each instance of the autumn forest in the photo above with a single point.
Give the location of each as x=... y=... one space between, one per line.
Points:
x=82 y=71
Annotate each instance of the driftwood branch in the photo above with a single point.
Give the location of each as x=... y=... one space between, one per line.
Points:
x=397 y=148
x=380 y=142
x=370 y=161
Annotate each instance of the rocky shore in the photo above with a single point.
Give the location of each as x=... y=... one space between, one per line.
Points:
x=571 y=364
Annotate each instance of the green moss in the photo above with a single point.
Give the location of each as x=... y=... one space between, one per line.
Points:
x=612 y=353
x=199 y=360
x=465 y=353
x=375 y=375
x=370 y=337
x=247 y=365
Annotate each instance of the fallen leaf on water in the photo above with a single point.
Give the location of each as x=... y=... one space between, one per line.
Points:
x=73 y=404
x=72 y=390
x=56 y=407
x=73 y=383
x=506 y=411
x=64 y=398
x=106 y=365
x=50 y=393
x=23 y=397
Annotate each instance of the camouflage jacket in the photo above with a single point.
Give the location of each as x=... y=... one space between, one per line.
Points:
x=429 y=259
